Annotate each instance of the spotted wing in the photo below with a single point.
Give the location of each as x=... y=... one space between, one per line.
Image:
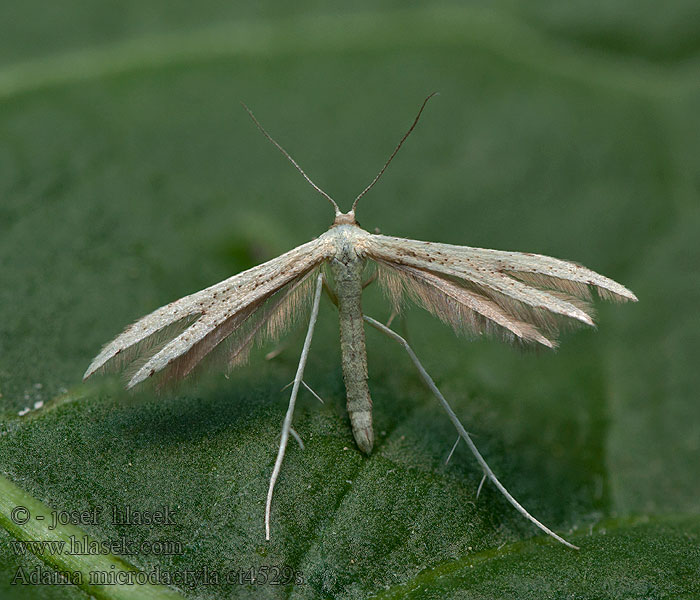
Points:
x=525 y=296
x=179 y=335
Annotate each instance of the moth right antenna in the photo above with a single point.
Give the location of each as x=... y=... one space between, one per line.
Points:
x=291 y=160
x=403 y=139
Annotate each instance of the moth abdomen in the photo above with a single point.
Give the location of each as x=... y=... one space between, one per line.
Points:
x=347 y=274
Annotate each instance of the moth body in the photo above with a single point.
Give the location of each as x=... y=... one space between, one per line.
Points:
x=347 y=267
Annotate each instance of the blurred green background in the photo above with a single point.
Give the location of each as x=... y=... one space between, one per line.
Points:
x=130 y=176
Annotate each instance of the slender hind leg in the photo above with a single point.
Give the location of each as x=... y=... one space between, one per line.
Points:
x=463 y=432
x=287 y=424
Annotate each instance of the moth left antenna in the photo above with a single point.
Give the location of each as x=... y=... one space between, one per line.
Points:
x=291 y=160
x=403 y=139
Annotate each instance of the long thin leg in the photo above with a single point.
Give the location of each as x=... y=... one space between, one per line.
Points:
x=371 y=279
x=306 y=385
x=463 y=432
x=314 y=394
x=454 y=447
x=481 y=484
x=287 y=424
x=275 y=352
x=297 y=437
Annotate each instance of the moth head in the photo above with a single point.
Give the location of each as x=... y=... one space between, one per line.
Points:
x=347 y=218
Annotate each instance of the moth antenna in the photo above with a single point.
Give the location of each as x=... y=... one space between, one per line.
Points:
x=291 y=160
x=403 y=139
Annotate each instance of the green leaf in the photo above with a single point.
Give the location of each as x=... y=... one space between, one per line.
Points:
x=129 y=177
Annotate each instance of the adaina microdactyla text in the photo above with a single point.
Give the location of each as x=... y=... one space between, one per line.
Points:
x=520 y=296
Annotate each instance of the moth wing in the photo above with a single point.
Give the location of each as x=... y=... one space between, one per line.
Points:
x=200 y=320
x=514 y=291
x=558 y=274
x=463 y=309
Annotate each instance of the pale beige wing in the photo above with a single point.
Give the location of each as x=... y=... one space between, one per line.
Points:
x=519 y=293
x=197 y=323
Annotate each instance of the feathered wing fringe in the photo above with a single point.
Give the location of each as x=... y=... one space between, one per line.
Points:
x=230 y=344
x=134 y=356
x=465 y=310
x=160 y=338
x=525 y=297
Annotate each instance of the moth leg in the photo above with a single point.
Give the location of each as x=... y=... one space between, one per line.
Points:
x=297 y=437
x=370 y=280
x=314 y=394
x=461 y=430
x=275 y=352
x=481 y=483
x=282 y=346
x=403 y=323
x=308 y=387
x=449 y=456
x=287 y=424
